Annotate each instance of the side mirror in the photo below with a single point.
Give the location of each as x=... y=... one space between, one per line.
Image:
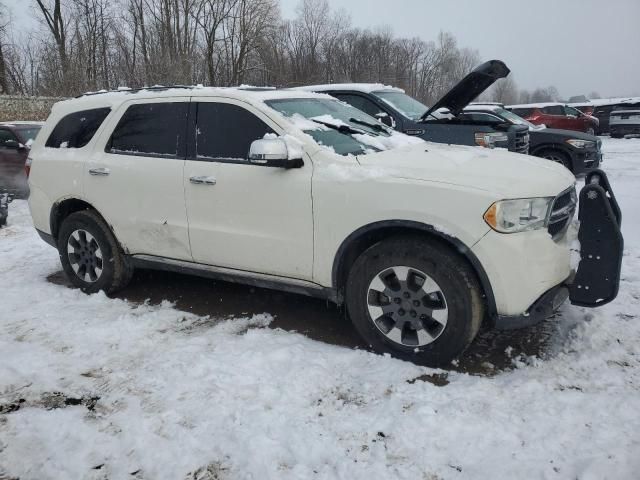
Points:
x=272 y=152
x=387 y=119
x=13 y=144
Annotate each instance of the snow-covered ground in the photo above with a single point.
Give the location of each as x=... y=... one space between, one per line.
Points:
x=93 y=388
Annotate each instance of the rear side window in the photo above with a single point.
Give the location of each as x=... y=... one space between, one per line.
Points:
x=360 y=102
x=77 y=129
x=6 y=136
x=554 y=110
x=225 y=131
x=151 y=130
x=523 y=112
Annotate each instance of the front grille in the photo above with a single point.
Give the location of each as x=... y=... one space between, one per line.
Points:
x=522 y=142
x=562 y=211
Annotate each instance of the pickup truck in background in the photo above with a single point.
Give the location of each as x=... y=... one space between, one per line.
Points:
x=601 y=108
x=624 y=121
x=398 y=110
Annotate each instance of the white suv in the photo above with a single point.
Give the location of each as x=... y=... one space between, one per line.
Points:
x=298 y=191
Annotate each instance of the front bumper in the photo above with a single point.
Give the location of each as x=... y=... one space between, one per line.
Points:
x=532 y=286
x=628 y=129
x=542 y=308
x=587 y=160
x=5 y=200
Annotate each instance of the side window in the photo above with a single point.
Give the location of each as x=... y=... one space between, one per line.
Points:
x=6 y=136
x=522 y=112
x=151 y=130
x=225 y=131
x=571 y=111
x=482 y=117
x=554 y=110
x=360 y=102
x=77 y=129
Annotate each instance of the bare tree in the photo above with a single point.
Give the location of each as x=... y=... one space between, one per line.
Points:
x=505 y=91
x=95 y=44
x=54 y=18
x=4 y=82
x=548 y=94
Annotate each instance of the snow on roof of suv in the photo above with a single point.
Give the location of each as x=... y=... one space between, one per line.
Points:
x=357 y=87
x=536 y=105
x=250 y=95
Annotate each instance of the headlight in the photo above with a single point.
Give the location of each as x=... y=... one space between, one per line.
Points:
x=581 y=143
x=511 y=216
x=489 y=139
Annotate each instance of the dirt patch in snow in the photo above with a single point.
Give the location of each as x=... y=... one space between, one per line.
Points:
x=49 y=401
x=492 y=352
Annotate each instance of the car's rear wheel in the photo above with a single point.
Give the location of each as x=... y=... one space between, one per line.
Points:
x=415 y=299
x=558 y=157
x=90 y=254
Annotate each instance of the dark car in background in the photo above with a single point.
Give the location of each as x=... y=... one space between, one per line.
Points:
x=579 y=152
x=396 y=109
x=15 y=140
x=601 y=108
x=557 y=115
x=624 y=121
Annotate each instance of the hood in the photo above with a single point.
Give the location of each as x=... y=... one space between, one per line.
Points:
x=467 y=89
x=501 y=173
x=563 y=134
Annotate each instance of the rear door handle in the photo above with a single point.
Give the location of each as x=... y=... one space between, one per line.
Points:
x=100 y=172
x=203 y=180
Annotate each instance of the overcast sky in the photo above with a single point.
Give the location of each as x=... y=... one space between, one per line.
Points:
x=577 y=45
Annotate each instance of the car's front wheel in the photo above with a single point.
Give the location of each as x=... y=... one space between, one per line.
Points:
x=90 y=254
x=415 y=299
x=558 y=157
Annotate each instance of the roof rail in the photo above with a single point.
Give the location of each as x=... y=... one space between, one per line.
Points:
x=136 y=90
x=160 y=88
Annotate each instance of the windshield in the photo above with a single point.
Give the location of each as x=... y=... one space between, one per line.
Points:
x=572 y=111
x=406 y=105
x=334 y=124
x=29 y=134
x=515 y=119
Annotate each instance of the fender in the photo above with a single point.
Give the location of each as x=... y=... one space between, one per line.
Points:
x=406 y=225
x=553 y=146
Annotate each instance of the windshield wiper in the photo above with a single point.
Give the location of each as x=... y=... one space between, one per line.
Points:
x=340 y=128
x=377 y=127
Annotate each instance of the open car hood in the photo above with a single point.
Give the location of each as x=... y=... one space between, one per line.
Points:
x=467 y=89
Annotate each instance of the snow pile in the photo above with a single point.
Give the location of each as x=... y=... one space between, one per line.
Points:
x=93 y=387
x=395 y=140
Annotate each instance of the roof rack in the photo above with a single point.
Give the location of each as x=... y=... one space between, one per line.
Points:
x=157 y=88
x=160 y=88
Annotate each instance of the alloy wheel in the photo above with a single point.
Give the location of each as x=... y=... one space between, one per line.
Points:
x=85 y=256
x=555 y=157
x=407 y=306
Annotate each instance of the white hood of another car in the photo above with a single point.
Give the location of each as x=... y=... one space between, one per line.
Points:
x=504 y=174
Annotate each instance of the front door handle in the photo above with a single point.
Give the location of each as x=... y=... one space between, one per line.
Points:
x=203 y=180
x=100 y=172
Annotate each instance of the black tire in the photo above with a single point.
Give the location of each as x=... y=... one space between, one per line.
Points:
x=115 y=270
x=459 y=288
x=616 y=135
x=557 y=156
